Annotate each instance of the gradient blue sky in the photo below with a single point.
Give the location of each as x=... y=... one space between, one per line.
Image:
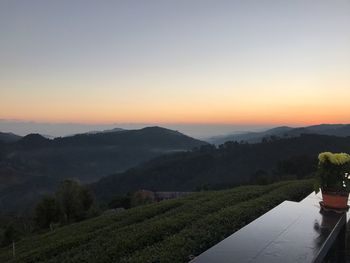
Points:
x=263 y=62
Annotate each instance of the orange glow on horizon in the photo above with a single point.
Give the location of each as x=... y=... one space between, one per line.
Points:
x=297 y=103
x=296 y=117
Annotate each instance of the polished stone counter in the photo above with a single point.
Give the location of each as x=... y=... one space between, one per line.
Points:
x=291 y=232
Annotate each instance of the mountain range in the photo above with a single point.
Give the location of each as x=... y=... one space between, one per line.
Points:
x=342 y=130
x=230 y=164
x=33 y=165
x=115 y=162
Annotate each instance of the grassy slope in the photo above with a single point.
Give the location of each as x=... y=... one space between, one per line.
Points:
x=169 y=231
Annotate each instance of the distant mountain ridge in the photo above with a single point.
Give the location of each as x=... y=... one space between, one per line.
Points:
x=104 y=131
x=8 y=137
x=145 y=137
x=341 y=130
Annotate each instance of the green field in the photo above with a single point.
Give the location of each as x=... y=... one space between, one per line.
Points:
x=169 y=231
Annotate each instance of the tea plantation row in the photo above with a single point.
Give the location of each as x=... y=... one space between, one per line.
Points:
x=169 y=231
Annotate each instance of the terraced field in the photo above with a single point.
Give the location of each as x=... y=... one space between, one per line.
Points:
x=169 y=231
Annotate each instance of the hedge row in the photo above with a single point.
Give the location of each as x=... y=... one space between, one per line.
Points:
x=208 y=231
x=169 y=231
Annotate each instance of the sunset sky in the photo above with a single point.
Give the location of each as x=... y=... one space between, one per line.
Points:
x=263 y=62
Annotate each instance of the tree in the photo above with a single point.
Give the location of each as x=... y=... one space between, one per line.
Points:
x=86 y=198
x=10 y=236
x=72 y=202
x=47 y=212
x=75 y=200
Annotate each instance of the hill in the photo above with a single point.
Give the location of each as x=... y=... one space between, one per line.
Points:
x=8 y=137
x=155 y=137
x=230 y=164
x=169 y=232
x=86 y=157
x=342 y=130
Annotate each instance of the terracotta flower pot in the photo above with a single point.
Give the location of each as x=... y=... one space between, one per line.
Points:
x=335 y=200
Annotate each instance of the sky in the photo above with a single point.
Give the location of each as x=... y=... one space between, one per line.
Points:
x=185 y=62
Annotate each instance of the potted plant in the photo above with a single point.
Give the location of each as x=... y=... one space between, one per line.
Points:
x=333 y=179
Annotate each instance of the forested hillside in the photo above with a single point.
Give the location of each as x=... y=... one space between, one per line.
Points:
x=341 y=130
x=90 y=156
x=171 y=231
x=32 y=166
x=229 y=164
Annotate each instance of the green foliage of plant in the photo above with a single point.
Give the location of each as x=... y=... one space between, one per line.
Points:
x=19 y=226
x=333 y=172
x=75 y=200
x=72 y=202
x=10 y=235
x=47 y=212
x=169 y=231
x=209 y=230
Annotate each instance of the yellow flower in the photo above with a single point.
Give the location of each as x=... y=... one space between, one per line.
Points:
x=334 y=158
x=325 y=156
